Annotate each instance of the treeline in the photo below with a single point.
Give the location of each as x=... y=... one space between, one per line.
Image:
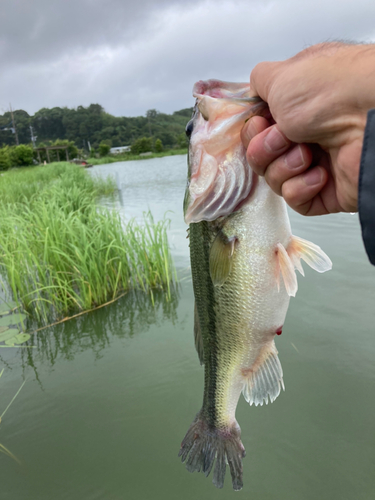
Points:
x=93 y=125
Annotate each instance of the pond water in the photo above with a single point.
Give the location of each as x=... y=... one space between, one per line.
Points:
x=109 y=396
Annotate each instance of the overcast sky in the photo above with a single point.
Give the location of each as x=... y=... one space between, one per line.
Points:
x=134 y=55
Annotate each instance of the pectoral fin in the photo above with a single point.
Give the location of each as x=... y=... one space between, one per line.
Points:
x=286 y=268
x=312 y=254
x=221 y=258
x=290 y=259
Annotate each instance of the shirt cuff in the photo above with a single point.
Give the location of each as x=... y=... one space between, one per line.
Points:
x=366 y=187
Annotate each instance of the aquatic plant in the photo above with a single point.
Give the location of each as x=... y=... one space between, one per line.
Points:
x=11 y=321
x=60 y=252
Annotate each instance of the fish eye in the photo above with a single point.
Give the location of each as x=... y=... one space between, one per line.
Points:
x=189 y=128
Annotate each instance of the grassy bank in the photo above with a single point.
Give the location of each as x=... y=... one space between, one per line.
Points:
x=61 y=253
x=131 y=157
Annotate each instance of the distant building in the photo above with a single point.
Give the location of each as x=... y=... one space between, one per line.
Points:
x=120 y=149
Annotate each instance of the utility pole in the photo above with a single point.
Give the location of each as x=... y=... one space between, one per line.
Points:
x=33 y=137
x=14 y=124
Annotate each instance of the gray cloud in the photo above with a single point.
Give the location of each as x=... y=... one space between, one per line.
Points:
x=133 y=56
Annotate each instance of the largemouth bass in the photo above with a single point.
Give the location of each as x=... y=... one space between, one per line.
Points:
x=243 y=261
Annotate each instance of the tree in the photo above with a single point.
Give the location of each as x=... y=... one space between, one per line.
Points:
x=95 y=125
x=4 y=158
x=48 y=123
x=152 y=114
x=142 y=145
x=21 y=156
x=182 y=140
x=187 y=113
x=104 y=148
x=158 y=146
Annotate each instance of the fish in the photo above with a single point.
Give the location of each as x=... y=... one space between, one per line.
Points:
x=243 y=263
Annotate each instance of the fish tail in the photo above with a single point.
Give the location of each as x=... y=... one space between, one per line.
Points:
x=203 y=443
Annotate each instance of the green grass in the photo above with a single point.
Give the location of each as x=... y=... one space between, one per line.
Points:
x=22 y=185
x=61 y=253
x=131 y=157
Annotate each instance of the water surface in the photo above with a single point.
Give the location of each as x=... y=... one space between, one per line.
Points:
x=109 y=396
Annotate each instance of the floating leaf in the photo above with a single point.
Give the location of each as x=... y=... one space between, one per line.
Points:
x=12 y=319
x=5 y=306
x=3 y=328
x=10 y=342
x=10 y=333
x=21 y=338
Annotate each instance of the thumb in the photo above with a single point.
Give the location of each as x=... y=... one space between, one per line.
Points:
x=263 y=77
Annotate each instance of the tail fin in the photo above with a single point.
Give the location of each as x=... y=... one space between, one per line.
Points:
x=202 y=444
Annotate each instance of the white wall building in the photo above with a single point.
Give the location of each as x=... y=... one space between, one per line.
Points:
x=120 y=149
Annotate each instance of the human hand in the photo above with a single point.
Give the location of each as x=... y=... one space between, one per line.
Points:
x=310 y=152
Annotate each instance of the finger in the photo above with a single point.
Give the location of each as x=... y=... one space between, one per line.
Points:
x=252 y=127
x=265 y=147
x=262 y=78
x=302 y=192
x=294 y=162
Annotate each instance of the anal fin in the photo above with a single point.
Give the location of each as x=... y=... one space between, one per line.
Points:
x=265 y=380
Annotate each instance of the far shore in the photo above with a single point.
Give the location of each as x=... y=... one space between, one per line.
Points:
x=132 y=157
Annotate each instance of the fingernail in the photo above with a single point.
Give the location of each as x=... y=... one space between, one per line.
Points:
x=294 y=158
x=275 y=140
x=313 y=177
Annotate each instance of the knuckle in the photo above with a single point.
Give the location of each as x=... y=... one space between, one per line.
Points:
x=274 y=178
x=258 y=78
x=254 y=163
x=291 y=194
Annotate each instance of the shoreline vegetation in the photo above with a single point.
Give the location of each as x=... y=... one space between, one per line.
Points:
x=63 y=253
x=132 y=157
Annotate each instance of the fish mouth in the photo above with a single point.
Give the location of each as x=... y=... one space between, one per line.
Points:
x=222 y=90
x=219 y=177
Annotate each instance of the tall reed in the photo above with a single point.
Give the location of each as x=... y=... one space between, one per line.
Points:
x=60 y=252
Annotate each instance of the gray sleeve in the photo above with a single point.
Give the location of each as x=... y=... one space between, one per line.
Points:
x=366 y=187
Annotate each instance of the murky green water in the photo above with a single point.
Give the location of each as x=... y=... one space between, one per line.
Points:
x=109 y=396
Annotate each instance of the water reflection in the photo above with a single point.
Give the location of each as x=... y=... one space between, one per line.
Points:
x=127 y=317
